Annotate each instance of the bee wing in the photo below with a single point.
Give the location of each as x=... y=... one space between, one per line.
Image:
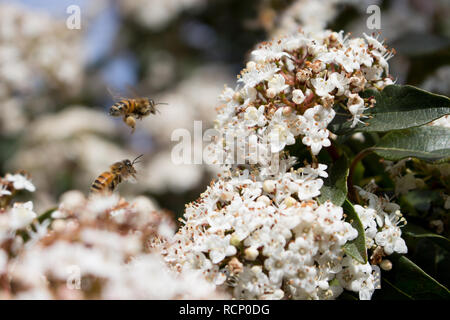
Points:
x=132 y=91
x=117 y=96
x=135 y=94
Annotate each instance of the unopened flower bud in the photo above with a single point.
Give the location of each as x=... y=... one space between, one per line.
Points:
x=58 y=225
x=256 y=269
x=234 y=241
x=264 y=199
x=271 y=93
x=269 y=186
x=297 y=96
x=251 y=65
x=287 y=111
x=289 y=201
x=386 y=265
x=251 y=253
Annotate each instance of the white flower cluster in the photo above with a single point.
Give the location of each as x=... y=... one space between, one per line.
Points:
x=289 y=89
x=96 y=248
x=291 y=246
x=15 y=218
x=264 y=232
x=381 y=220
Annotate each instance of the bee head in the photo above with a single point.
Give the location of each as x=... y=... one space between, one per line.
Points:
x=130 y=165
x=114 y=111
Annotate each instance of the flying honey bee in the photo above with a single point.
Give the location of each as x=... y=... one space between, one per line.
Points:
x=118 y=172
x=131 y=109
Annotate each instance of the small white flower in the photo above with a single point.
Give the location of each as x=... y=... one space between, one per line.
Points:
x=277 y=84
x=323 y=87
x=227 y=95
x=261 y=72
x=347 y=61
x=249 y=95
x=269 y=52
x=367 y=216
x=20 y=182
x=318 y=116
x=219 y=247
x=390 y=239
x=340 y=81
x=21 y=215
x=297 y=96
x=316 y=139
x=255 y=116
x=4 y=191
x=375 y=43
x=356 y=107
x=320 y=171
x=309 y=189
x=280 y=135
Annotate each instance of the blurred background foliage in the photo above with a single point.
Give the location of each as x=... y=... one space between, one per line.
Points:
x=54 y=97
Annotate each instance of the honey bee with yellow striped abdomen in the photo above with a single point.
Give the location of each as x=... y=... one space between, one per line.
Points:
x=131 y=109
x=118 y=172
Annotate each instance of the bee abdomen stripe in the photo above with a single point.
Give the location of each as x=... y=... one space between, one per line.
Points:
x=94 y=186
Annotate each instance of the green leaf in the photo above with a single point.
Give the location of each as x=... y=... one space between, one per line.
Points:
x=357 y=247
x=428 y=143
x=397 y=107
x=335 y=186
x=412 y=281
x=389 y=292
x=46 y=215
x=416 y=231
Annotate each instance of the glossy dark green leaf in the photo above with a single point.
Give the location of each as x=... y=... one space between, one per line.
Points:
x=428 y=143
x=397 y=107
x=413 y=282
x=416 y=231
x=357 y=247
x=388 y=291
x=335 y=186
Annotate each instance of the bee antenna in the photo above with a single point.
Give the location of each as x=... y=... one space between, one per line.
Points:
x=134 y=161
x=161 y=103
